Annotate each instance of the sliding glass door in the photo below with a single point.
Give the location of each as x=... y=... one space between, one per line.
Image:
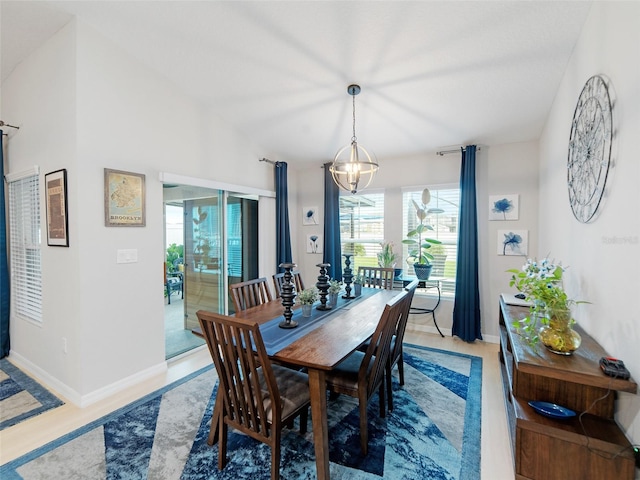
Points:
x=242 y=240
x=204 y=256
x=220 y=246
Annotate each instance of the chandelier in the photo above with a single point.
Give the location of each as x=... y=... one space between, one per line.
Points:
x=352 y=164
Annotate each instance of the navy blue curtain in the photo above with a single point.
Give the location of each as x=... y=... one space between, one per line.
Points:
x=4 y=268
x=466 y=307
x=331 y=244
x=283 y=234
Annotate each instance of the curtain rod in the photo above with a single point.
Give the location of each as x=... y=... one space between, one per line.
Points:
x=2 y=124
x=267 y=160
x=457 y=150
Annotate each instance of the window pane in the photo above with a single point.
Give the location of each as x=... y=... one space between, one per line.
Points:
x=442 y=215
x=362 y=227
x=24 y=226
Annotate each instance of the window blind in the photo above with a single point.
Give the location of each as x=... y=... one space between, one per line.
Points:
x=25 y=244
x=442 y=215
x=362 y=227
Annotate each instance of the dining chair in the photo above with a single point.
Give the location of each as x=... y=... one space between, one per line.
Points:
x=377 y=277
x=361 y=374
x=173 y=282
x=250 y=293
x=255 y=397
x=396 y=354
x=278 y=280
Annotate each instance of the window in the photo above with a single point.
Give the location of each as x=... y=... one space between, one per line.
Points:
x=362 y=227
x=25 y=238
x=442 y=216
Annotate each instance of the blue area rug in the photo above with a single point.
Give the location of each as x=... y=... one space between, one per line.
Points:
x=433 y=433
x=21 y=397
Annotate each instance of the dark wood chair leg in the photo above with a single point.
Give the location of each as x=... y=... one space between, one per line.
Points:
x=389 y=382
x=304 y=418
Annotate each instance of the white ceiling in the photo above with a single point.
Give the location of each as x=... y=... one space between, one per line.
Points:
x=434 y=74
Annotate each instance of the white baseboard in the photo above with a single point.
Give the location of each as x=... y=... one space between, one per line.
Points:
x=447 y=332
x=123 y=384
x=51 y=383
x=72 y=396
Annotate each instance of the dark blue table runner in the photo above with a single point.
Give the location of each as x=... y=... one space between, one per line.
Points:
x=276 y=338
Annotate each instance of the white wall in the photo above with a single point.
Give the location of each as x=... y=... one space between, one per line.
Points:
x=85 y=105
x=501 y=169
x=603 y=256
x=40 y=98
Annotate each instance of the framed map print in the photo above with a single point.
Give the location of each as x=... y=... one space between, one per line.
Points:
x=123 y=199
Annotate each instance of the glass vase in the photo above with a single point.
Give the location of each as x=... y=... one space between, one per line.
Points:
x=558 y=335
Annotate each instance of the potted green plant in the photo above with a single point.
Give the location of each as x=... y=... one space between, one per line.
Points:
x=334 y=288
x=387 y=258
x=307 y=298
x=541 y=283
x=419 y=247
x=357 y=285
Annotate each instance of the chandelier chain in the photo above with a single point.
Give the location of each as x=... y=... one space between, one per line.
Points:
x=354 y=138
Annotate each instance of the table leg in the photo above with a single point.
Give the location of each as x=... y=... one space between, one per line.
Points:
x=432 y=311
x=318 y=391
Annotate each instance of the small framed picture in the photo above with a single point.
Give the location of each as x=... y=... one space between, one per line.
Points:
x=513 y=242
x=503 y=207
x=57 y=219
x=124 y=204
x=314 y=243
x=310 y=216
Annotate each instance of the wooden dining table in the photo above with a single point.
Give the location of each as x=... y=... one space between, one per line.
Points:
x=321 y=343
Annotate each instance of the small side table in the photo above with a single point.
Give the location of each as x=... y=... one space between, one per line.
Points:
x=426 y=284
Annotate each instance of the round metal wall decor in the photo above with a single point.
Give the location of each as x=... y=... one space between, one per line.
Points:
x=589 y=149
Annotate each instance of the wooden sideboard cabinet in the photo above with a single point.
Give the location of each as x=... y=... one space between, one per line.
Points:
x=550 y=449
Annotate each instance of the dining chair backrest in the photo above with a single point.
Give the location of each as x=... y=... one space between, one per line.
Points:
x=372 y=368
x=396 y=356
x=252 y=401
x=402 y=320
x=240 y=370
x=377 y=277
x=296 y=279
x=250 y=293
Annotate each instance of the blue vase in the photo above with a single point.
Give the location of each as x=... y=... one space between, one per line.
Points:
x=422 y=270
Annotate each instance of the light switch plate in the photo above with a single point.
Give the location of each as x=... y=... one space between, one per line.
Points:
x=129 y=255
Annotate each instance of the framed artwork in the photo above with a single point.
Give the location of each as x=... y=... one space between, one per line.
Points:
x=57 y=220
x=503 y=207
x=314 y=243
x=124 y=194
x=513 y=242
x=310 y=216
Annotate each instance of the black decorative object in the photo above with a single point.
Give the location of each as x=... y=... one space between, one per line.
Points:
x=347 y=276
x=323 y=286
x=287 y=296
